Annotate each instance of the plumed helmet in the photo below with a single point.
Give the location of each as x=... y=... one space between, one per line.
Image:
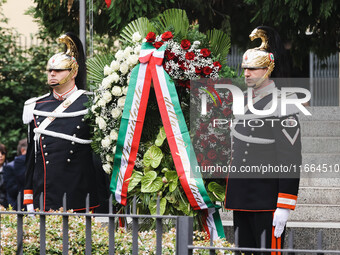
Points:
x=259 y=57
x=72 y=59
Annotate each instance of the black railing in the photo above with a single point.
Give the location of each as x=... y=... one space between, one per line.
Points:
x=184 y=232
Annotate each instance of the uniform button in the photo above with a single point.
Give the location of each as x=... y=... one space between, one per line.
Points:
x=250 y=136
x=82 y=119
x=43 y=137
x=232 y=150
x=246 y=152
x=244 y=160
x=37 y=117
x=46 y=154
x=74 y=135
x=73 y=143
x=78 y=127
x=248 y=145
x=71 y=151
x=68 y=160
x=252 y=129
x=38 y=123
x=44 y=146
x=47 y=162
x=232 y=158
x=256 y=121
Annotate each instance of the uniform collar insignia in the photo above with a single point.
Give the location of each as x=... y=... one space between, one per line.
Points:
x=65 y=95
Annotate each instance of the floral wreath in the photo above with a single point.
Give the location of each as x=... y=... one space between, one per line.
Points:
x=189 y=55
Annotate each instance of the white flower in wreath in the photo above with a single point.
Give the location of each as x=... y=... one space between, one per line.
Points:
x=132 y=60
x=137 y=49
x=119 y=55
x=114 y=149
x=121 y=102
x=93 y=108
x=107 y=70
x=116 y=112
x=114 y=77
x=101 y=123
x=113 y=135
x=101 y=102
x=136 y=37
x=107 y=168
x=124 y=68
x=125 y=90
x=109 y=158
x=107 y=96
x=114 y=65
x=106 y=142
x=106 y=83
x=116 y=91
x=127 y=52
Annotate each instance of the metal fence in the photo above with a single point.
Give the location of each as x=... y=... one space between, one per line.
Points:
x=184 y=232
x=181 y=227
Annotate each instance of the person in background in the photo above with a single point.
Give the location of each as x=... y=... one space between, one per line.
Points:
x=3 y=153
x=14 y=175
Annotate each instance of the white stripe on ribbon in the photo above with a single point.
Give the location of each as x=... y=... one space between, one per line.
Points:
x=179 y=141
x=286 y=201
x=211 y=224
x=131 y=127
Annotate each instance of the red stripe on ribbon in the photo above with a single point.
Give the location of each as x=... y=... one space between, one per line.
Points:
x=137 y=135
x=171 y=138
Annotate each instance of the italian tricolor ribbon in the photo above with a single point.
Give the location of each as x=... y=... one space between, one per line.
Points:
x=151 y=69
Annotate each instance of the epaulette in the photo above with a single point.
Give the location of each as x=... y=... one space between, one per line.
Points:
x=27 y=114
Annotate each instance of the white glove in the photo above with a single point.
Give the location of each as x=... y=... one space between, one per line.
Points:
x=30 y=208
x=280 y=219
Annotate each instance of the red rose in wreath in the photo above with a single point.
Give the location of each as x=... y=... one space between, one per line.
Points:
x=205 y=52
x=150 y=37
x=170 y=55
x=212 y=154
x=218 y=64
x=207 y=70
x=190 y=55
x=157 y=45
x=185 y=44
x=167 y=36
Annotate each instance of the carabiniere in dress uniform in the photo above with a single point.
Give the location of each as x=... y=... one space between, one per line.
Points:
x=262 y=200
x=60 y=159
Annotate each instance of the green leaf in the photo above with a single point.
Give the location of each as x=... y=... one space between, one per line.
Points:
x=219 y=43
x=172 y=178
x=171 y=197
x=175 y=19
x=141 y=25
x=217 y=190
x=95 y=67
x=153 y=206
x=135 y=178
x=160 y=137
x=151 y=183
x=153 y=157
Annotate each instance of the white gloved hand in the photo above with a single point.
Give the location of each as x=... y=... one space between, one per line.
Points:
x=30 y=208
x=280 y=219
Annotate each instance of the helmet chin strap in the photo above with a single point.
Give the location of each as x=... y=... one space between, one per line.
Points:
x=67 y=78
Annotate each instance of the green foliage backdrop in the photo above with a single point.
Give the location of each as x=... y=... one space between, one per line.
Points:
x=22 y=76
